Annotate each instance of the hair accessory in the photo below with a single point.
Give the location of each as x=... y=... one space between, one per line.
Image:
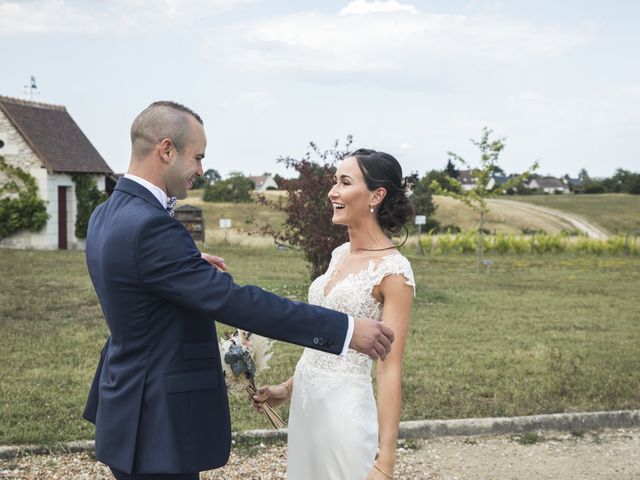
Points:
x=408 y=189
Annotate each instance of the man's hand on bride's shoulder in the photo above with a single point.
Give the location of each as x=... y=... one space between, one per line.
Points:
x=372 y=338
x=214 y=261
x=274 y=395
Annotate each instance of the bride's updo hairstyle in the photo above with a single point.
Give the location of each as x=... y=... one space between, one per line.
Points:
x=381 y=170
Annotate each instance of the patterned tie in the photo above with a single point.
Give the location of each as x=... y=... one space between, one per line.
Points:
x=171 y=206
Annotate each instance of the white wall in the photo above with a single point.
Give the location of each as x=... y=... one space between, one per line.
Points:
x=269 y=183
x=48 y=237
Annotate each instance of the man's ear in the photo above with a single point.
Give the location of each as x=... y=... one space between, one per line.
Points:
x=377 y=196
x=167 y=150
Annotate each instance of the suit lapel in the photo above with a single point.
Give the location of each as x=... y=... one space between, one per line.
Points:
x=134 y=188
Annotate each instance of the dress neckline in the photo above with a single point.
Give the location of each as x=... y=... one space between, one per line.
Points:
x=351 y=275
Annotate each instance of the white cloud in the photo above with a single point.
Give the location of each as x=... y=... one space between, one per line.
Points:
x=405 y=146
x=363 y=7
x=46 y=16
x=64 y=16
x=420 y=45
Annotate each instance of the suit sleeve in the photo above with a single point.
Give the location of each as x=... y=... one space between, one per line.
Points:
x=168 y=263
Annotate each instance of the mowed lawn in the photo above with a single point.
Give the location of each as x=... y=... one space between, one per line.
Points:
x=537 y=334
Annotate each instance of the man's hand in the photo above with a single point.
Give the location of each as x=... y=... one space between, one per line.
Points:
x=214 y=261
x=371 y=337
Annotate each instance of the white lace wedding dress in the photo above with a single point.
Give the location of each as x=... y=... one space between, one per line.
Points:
x=333 y=419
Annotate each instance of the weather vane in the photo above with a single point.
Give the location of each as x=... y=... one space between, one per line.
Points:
x=32 y=88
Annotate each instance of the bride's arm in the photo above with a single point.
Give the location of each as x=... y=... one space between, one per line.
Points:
x=398 y=299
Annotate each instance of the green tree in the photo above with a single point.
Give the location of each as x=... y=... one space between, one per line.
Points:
x=634 y=184
x=583 y=176
x=236 y=189
x=451 y=169
x=476 y=198
x=623 y=181
x=210 y=177
x=422 y=199
x=441 y=178
x=279 y=181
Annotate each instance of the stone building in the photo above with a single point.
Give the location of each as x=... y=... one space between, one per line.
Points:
x=44 y=141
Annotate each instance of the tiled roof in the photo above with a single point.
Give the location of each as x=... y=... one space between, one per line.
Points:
x=465 y=177
x=550 y=183
x=54 y=137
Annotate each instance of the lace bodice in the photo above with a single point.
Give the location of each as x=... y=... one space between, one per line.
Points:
x=353 y=296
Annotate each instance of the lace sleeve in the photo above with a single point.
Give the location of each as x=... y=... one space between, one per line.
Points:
x=395 y=265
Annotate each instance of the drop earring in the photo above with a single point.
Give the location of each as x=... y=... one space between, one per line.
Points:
x=370 y=208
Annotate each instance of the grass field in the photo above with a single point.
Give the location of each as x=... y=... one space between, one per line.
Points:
x=244 y=217
x=616 y=212
x=535 y=335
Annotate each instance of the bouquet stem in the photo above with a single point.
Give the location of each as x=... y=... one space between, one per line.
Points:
x=272 y=415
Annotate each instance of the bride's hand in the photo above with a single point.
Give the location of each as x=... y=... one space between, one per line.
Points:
x=274 y=395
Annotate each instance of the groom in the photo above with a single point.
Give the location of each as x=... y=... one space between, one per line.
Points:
x=158 y=398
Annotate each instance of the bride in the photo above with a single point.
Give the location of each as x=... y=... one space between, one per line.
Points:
x=335 y=427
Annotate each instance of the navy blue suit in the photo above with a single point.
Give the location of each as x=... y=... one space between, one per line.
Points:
x=158 y=398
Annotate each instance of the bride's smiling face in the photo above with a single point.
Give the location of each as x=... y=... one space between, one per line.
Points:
x=349 y=196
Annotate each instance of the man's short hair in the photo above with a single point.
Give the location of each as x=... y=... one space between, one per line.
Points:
x=164 y=119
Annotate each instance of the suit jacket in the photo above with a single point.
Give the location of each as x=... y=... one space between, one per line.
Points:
x=158 y=398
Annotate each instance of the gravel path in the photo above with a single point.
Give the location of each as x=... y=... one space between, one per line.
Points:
x=605 y=455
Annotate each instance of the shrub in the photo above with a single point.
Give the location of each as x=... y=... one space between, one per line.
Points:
x=236 y=189
x=308 y=224
x=502 y=243
x=20 y=208
x=88 y=198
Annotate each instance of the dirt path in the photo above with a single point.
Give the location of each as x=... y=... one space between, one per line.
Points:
x=605 y=455
x=592 y=230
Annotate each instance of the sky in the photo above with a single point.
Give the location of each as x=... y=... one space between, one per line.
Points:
x=560 y=80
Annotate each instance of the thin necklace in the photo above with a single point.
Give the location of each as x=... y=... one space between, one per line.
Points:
x=388 y=248
x=377 y=249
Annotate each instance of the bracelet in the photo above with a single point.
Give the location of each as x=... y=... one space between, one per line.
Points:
x=375 y=465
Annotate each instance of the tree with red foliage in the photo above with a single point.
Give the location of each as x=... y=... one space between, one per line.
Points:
x=307 y=208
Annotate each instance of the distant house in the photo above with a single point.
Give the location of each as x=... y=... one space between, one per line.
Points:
x=466 y=179
x=263 y=183
x=44 y=141
x=548 y=185
x=497 y=181
x=572 y=183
